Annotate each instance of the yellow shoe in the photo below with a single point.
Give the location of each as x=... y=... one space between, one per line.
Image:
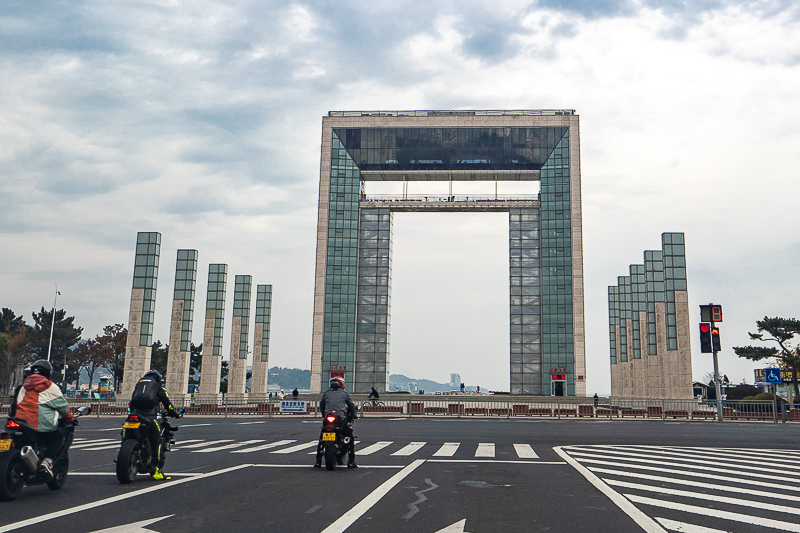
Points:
x=160 y=475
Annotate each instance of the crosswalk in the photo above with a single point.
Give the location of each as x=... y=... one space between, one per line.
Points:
x=698 y=490
x=483 y=450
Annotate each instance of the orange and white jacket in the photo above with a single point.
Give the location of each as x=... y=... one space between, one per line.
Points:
x=40 y=404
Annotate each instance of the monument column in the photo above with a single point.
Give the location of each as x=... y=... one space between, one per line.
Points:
x=211 y=363
x=180 y=333
x=258 y=383
x=240 y=331
x=142 y=312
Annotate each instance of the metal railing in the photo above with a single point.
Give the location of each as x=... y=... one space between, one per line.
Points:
x=471 y=405
x=453 y=112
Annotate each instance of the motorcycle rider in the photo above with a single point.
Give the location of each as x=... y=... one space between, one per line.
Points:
x=147 y=395
x=38 y=405
x=337 y=399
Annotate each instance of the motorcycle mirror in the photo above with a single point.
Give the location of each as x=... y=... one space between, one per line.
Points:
x=181 y=410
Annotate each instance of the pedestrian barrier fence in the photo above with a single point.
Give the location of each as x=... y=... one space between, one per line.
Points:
x=470 y=406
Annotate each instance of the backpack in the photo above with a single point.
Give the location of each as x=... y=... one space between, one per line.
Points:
x=145 y=395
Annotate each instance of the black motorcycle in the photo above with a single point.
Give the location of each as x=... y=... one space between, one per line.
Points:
x=333 y=443
x=21 y=457
x=136 y=454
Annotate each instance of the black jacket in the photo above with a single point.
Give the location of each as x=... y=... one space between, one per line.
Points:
x=156 y=394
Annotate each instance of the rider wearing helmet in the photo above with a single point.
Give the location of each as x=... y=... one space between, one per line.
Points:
x=147 y=395
x=39 y=405
x=337 y=399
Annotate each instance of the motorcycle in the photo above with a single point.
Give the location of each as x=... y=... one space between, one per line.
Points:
x=333 y=443
x=21 y=457
x=136 y=453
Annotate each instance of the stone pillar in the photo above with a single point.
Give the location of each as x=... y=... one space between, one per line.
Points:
x=258 y=383
x=180 y=332
x=142 y=311
x=240 y=330
x=211 y=363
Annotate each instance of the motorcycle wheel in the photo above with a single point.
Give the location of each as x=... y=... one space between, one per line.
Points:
x=60 y=471
x=330 y=456
x=12 y=475
x=128 y=461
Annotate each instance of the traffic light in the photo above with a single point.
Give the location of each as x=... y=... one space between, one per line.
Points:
x=716 y=313
x=559 y=377
x=715 y=339
x=705 y=337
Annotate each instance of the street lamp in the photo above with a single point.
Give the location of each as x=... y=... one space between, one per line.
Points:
x=52 y=324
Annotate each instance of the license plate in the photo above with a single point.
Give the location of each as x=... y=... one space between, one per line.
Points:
x=329 y=436
x=130 y=425
x=5 y=445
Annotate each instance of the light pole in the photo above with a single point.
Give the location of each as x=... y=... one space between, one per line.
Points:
x=52 y=325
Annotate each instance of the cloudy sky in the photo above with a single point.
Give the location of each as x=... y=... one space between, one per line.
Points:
x=202 y=120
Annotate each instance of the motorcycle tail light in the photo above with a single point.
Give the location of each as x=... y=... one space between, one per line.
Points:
x=133 y=418
x=12 y=425
x=330 y=419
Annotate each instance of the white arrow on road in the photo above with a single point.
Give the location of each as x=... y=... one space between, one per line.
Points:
x=137 y=527
x=458 y=527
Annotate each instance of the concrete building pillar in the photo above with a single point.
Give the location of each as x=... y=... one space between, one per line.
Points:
x=258 y=383
x=180 y=332
x=211 y=363
x=142 y=311
x=240 y=331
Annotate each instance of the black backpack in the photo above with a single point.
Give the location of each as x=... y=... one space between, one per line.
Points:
x=145 y=394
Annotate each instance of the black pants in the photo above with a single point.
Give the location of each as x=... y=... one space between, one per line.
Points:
x=50 y=443
x=154 y=436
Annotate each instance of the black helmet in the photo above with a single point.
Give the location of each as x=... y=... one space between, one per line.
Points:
x=154 y=373
x=42 y=367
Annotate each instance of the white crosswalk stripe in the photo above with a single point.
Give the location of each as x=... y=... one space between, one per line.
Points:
x=699 y=490
x=297 y=448
x=265 y=446
x=372 y=448
x=485 y=449
x=525 y=451
x=410 y=449
x=227 y=446
x=448 y=449
x=205 y=443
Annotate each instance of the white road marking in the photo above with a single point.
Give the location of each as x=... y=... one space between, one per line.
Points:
x=644 y=521
x=134 y=527
x=249 y=423
x=193 y=425
x=314 y=452
x=716 y=513
x=77 y=509
x=206 y=443
x=228 y=446
x=525 y=451
x=448 y=449
x=111 y=447
x=179 y=474
x=372 y=498
x=265 y=446
x=683 y=527
x=98 y=442
x=485 y=449
x=410 y=449
x=369 y=450
x=297 y=448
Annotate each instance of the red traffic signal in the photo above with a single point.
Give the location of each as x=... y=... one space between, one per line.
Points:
x=715 y=344
x=559 y=377
x=705 y=337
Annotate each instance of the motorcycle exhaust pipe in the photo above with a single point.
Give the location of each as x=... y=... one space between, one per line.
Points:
x=29 y=457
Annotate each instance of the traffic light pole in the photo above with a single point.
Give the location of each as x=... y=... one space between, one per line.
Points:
x=716 y=381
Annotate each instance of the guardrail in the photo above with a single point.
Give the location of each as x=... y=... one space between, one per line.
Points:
x=469 y=406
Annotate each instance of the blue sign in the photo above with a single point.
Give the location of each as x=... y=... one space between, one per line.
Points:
x=293 y=406
x=772 y=375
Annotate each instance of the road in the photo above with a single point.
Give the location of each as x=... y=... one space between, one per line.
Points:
x=431 y=475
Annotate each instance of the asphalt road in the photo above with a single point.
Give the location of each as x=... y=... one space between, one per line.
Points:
x=434 y=475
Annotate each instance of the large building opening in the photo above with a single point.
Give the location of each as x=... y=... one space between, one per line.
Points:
x=449 y=311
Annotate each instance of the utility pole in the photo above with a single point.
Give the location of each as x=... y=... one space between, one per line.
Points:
x=52 y=325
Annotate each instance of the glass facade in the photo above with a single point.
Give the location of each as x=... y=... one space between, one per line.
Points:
x=215 y=302
x=356 y=322
x=263 y=315
x=241 y=308
x=649 y=284
x=145 y=276
x=185 y=284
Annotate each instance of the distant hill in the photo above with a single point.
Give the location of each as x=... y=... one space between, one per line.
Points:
x=289 y=378
x=399 y=381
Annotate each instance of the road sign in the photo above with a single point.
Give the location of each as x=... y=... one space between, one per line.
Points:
x=772 y=375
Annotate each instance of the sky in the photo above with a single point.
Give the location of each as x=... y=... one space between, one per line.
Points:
x=202 y=120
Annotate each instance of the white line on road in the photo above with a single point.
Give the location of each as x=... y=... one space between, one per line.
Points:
x=485 y=449
x=266 y=446
x=228 y=446
x=683 y=527
x=372 y=448
x=113 y=499
x=372 y=498
x=410 y=449
x=107 y=447
x=249 y=423
x=98 y=442
x=297 y=448
x=448 y=449
x=525 y=451
x=502 y=461
x=193 y=425
x=207 y=443
x=644 y=521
